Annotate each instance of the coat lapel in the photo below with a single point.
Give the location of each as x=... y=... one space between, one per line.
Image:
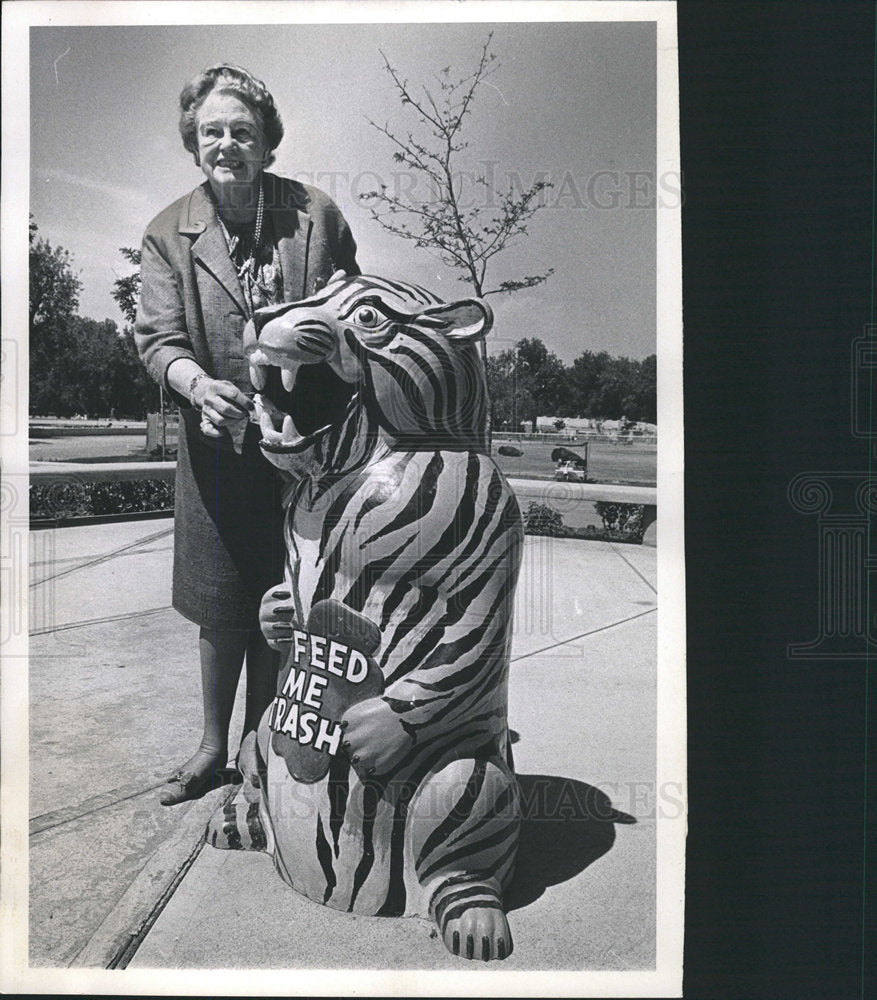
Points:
x=292 y=230
x=210 y=247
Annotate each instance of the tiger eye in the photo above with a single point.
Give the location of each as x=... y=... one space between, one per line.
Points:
x=366 y=316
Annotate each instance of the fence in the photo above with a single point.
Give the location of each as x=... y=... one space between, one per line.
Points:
x=564 y=437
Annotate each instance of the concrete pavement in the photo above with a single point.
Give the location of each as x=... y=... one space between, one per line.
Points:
x=115 y=702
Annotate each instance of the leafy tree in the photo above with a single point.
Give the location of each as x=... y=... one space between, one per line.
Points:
x=548 y=380
x=53 y=298
x=101 y=373
x=612 y=397
x=126 y=290
x=53 y=286
x=80 y=365
x=582 y=378
x=91 y=379
x=529 y=381
x=110 y=358
x=512 y=397
x=609 y=388
x=647 y=390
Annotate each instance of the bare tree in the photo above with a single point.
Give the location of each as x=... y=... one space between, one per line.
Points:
x=467 y=239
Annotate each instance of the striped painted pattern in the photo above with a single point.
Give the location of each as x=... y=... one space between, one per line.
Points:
x=398 y=513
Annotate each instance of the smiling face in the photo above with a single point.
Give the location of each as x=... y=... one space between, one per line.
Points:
x=231 y=146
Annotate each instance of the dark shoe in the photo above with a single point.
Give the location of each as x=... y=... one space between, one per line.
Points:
x=184 y=786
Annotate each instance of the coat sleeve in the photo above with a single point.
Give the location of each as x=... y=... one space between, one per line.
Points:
x=345 y=247
x=160 y=328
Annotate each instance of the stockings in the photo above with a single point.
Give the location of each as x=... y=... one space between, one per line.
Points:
x=222 y=656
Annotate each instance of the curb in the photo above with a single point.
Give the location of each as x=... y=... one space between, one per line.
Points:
x=122 y=930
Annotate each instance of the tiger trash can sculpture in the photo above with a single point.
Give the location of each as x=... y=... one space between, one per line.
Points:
x=388 y=786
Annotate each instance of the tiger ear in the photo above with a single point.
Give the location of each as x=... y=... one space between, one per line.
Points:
x=467 y=320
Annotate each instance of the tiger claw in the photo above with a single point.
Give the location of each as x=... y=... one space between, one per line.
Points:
x=481 y=923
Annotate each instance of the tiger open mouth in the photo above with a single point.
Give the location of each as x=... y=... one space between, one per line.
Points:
x=319 y=400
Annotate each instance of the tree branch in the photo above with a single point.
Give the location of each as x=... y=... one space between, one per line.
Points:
x=460 y=238
x=530 y=281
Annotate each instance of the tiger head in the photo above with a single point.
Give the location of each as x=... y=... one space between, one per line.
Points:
x=411 y=362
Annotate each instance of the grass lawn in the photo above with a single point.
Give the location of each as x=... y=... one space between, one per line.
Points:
x=97 y=448
x=607 y=463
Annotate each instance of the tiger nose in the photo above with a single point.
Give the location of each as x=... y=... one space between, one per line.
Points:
x=263 y=316
x=300 y=335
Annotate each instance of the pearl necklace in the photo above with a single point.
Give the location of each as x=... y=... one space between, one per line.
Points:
x=249 y=265
x=260 y=288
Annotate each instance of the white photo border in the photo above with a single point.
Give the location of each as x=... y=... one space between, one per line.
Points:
x=666 y=978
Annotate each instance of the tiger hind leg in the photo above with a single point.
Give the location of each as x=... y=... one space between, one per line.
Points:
x=237 y=826
x=251 y=765
x=463 y=827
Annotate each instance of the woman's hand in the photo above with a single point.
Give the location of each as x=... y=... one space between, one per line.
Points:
x=277 y=617
x=221 y=404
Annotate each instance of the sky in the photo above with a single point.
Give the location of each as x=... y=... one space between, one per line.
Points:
x=571 y=102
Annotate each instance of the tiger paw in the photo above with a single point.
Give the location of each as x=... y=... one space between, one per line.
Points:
x=375 y=741
x=473 y=923
x=236 y=827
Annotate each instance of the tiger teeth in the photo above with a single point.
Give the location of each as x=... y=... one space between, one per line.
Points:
x=268 y=431
x=258 y=376
x=289 y=435
x=287 y=377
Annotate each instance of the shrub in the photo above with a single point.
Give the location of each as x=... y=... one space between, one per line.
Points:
x=60 y=501
x=625 y=519
x=540 y=519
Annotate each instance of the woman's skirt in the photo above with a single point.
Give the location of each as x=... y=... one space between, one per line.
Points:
x=228 y=528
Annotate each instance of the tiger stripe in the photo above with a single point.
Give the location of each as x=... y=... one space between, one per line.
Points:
x=397 y=512
x=237 y=827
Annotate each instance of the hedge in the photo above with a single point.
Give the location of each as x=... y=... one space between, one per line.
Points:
x=60 y=500
x=622 y=522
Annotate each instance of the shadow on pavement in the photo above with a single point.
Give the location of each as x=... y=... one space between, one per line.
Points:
x=567 y=825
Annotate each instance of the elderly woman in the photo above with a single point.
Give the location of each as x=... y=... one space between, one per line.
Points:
x=244 y=239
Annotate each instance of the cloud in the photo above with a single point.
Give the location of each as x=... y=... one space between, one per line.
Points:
x=124 y=194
